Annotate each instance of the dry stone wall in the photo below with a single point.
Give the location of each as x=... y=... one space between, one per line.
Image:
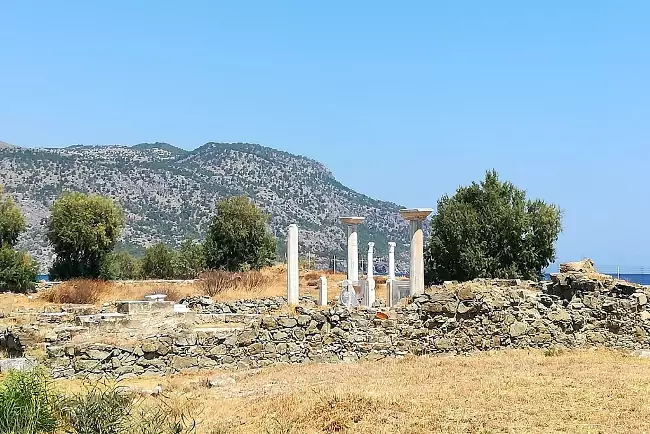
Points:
x=572 y=311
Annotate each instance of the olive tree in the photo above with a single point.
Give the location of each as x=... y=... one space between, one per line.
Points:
x=491 y=229
x=83 y=229
x=238 y=237
x=12 y=221
x=17 y=269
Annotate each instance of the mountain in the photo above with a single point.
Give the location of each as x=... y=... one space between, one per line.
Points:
x=4 y=145
x=169 y=194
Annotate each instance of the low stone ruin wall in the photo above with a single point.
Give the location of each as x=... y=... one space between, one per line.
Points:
x=573 y=311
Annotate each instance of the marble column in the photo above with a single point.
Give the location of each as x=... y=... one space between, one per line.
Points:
x=391 y=260
x=292 y=265
x=371 y=267
x=415 y=218
x=370 y=295
x=322 y=291
x=353 y=248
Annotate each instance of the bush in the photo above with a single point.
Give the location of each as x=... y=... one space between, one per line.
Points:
x=217 y=282
x=158 y=262
x=120 y=266
x=18 y=271
x=12 y=221
x=189 y=261
x=238 y=238
x=77 y=291
x=28 y=404
x=491 y=230
x=99 y=409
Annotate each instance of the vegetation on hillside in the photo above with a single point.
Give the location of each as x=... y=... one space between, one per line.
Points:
x=490 y=229
x=168 y=194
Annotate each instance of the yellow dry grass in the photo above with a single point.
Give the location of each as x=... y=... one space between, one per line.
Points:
x=498 y=392
x=103 y=292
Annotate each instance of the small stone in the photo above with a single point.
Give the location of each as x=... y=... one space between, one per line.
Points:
x=256 y=348
x=287 y=322
x=179 y=363
x=644 y=315
x=246 y=338
x=269 y=323
x=518 y=329
x=443 y=343
x=465 y=293
x=222 y=381
x=303 y=320
x=149 y=346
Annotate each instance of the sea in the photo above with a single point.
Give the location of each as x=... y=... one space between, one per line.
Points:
x=640 y=278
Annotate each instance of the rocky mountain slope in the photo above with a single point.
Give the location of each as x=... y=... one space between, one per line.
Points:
x=169 y=194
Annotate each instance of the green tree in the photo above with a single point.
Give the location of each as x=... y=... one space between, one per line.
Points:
x=12 y=221
x=189 y=261
x=238 y=237
x=83 y=229
x=490 y=229
x=158 y=262
x=18 y=271
x=120 y=266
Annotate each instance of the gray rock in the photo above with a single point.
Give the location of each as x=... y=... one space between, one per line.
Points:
x=18 y=364
x=222 y=381
x=518 y=328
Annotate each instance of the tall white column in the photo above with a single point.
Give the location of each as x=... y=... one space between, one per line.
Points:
x=322 y=291
x=353 y=248
x=371 y=264
x=292 y=265
x=416 y=268
x=391 y=260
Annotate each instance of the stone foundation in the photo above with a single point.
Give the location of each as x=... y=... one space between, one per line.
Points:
x=571 y=312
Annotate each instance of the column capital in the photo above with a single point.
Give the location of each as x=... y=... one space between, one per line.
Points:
x=371 y=246
x=352 y=220
x=415 y=214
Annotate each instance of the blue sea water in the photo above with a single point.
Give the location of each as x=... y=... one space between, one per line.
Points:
x=45 y=277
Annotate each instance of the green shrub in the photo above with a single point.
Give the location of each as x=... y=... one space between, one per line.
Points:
x=28 y=404
x=18 y=271
x=120 y=266
x=158 y=262
x=101 y=409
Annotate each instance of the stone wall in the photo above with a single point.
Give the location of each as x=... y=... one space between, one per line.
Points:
x=572 y=311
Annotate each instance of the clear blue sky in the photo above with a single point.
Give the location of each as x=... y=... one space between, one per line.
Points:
x=418 y=97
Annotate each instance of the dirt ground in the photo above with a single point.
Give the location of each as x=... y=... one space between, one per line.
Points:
x=589 y=391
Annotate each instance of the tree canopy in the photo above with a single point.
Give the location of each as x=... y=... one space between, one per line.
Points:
x=490 y=229
x=238 y=237
x=12 y=221
x=158 y=262
x=82 y=229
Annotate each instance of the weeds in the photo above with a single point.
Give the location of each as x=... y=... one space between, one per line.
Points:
x=216 y=282
x=28 y=403
x=99 y=409
x=77 y=291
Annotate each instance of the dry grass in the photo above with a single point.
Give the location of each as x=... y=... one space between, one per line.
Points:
x=136 y=290
x=77 y=291
x=269 y=282
x=500 y=392
x=213 y=283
